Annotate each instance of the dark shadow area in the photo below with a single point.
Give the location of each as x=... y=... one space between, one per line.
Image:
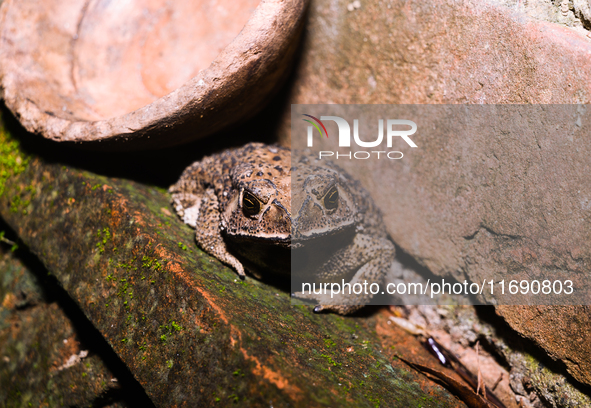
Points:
x=160 y=167
x=131 y=392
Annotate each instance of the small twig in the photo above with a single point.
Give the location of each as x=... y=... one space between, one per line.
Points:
x=7 y=241
x=494 y=387
x=480 y=379
x=14 y=245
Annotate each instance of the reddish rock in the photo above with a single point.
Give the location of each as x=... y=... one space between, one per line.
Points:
x=476 y=206
x=563 y=331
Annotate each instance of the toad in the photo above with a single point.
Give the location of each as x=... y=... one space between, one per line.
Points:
x=240 y=203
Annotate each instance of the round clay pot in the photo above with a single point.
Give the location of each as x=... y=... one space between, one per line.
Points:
x=142 y=74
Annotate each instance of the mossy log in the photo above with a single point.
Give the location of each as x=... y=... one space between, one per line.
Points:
x=192 y=333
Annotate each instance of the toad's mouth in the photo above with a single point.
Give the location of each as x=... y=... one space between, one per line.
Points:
x=262 y=254
x=282 y=240
x=300 y=239
x=296 y=239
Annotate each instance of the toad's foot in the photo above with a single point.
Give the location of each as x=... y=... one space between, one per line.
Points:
x=327 y=304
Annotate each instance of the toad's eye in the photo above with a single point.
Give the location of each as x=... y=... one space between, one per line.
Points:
x=331 y=199
x=250 y=205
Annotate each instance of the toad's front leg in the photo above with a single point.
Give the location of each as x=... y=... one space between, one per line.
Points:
x=369 y=257
x=208 y=233
x=195 y=201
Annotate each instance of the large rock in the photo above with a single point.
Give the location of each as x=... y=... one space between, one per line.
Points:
x=134 y=75
x=477 y=206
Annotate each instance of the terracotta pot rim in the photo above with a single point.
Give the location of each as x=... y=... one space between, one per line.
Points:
x=251 y=64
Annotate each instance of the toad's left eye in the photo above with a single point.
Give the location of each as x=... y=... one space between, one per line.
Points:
x=331 y=199
x=250 y=205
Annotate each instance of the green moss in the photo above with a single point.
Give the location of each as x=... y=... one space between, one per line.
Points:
x=104 y=236
x=176 y=326
x=21 y=201
x=147 y=262
x=374 y=400
x=12 y=160
x=329 y=343
x=330 y=360
x=169 y=330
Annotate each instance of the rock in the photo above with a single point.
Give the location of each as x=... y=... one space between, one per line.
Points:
x=505 y=204
x=190 y=332
x=135 y=75
x=563 y=331
x=438 y=51
x=44 y=358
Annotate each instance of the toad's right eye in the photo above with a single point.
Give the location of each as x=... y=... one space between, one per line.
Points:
x=250 y=205
x=331 y=199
